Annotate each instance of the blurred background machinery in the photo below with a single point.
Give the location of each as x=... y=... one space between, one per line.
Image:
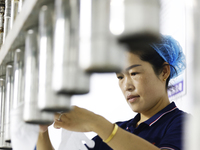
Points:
x=50 y=49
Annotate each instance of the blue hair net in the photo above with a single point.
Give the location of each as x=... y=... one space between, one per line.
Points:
x=170 y=50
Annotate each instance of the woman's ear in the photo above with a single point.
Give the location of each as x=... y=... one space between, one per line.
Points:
x=166 y=71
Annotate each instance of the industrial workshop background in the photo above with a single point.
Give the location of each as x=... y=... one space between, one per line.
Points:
x=55 y=54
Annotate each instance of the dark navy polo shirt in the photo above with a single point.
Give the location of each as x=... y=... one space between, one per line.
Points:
x=164 y=129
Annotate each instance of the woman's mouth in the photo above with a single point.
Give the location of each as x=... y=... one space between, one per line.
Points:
x=132 y=98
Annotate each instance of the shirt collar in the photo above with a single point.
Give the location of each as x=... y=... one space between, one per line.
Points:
x=171 y=107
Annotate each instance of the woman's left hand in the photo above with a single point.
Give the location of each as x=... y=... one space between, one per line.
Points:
x=78 y=119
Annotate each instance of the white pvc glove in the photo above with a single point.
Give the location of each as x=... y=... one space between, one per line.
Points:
x=73 y=141
x=23 y=136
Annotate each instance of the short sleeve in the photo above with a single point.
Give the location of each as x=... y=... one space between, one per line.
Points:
x=173 y=137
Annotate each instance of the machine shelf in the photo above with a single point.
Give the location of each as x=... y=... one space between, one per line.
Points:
x=27 y=18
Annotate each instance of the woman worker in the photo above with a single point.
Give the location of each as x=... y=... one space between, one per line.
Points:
x=144 y=82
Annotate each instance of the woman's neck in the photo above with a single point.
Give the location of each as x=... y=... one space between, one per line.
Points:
x=154 y=110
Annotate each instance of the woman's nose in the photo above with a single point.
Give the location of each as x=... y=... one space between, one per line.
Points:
x=128 y=84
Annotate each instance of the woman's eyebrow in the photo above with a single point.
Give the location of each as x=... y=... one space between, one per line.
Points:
x=127 y=69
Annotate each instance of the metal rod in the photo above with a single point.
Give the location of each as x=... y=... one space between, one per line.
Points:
x=141 y=22
x=68 y=77
x=14 y=11
x=77 y=81
x=8 y=100
x=18 y=72
x=21 y=2
x=3 y=144
x=48 y=99
x=99 y=50
x=2 y=11
x=7 y=18
x=32 y=114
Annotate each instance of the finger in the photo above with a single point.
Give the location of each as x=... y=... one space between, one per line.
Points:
x=58 y=124
x=74 y=107
x=60 y=118
x=56 y=116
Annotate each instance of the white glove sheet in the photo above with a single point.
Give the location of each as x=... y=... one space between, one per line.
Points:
x=74 y=141
x=23 y=136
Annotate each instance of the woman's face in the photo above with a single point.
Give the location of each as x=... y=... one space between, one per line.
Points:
x=142 y=88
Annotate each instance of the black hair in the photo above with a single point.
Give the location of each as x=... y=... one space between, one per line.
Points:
x=148 y=54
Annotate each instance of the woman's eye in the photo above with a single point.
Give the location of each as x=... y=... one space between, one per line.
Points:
x=120 y=77
x=134 y=73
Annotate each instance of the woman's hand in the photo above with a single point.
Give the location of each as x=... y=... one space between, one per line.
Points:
x=44 y=128
x=82 y=120
x=78 y=119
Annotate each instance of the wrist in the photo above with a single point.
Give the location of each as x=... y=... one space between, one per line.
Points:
x=94 y=124
x=112 y=134
x=43 y=134
x=102 y=127
x=43 y=128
